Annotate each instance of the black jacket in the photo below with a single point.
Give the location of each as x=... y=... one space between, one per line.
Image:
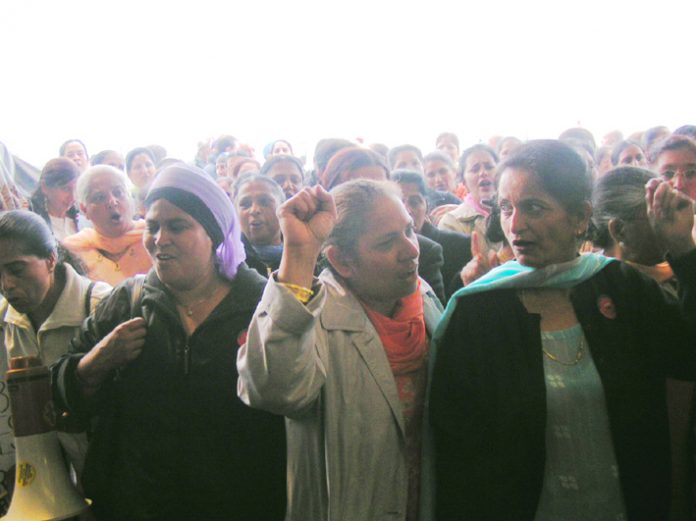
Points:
x=430 y=261
x=171 y=439
x=456 y=252
x=488 y=401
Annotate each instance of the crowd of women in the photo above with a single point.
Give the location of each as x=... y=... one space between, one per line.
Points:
x=502 y=333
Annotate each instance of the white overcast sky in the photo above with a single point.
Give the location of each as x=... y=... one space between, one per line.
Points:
x=131 y=73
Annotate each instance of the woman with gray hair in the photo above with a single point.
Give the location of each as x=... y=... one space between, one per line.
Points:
x=113 y=250
x=620 y=219
x=623 y=231
x=345 y=356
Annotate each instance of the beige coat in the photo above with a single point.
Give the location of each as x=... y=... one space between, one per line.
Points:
x=323 y=366
x=49 y=343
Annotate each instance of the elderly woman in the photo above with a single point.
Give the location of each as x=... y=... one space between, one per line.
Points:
x=43 y=305
x=344 y=357
x=54 y=198
x=548 y=388
x=155 y=364
x=113 y=250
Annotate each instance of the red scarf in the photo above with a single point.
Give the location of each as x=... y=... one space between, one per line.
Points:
x=403 y=337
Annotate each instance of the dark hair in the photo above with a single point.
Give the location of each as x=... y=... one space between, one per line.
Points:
x=57 y=172
x=654 y=134
x=559 y=168
x=274 y=160
x=251 y=177
x=480 y=147
x=675 y=142
x=494 y=228
x=282 y=141
x=620 y=147
x=403 y=175
x=61 y=150
x=29 y=231
x=325 y=150
x=223 y=142
x=448 y=135
x=619 y=194
x=395 y=151
x=686 y=130
x=579 y=134
x=130 y=156
x=347 y=160
x=437 y=155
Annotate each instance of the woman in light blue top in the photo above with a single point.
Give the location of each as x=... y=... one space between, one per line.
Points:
x=548 y=388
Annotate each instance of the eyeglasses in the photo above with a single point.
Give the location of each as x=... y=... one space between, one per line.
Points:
x=686 y=173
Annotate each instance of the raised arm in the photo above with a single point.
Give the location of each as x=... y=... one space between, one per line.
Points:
x=281 y=366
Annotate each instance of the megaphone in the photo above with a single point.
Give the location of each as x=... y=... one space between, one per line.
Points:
x=43 y=490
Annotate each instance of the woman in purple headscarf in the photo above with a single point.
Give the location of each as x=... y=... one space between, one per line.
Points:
x=155 y=364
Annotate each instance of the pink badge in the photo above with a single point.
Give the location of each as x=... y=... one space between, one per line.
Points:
x=606 y=307
x=242 y=338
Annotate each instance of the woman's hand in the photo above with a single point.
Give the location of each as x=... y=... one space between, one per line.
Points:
x=306 y=220
x=481 y=262
x=115 y=351
x=671 y=215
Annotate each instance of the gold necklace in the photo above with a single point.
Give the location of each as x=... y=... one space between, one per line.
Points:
x=188 y=308
x=578 y=355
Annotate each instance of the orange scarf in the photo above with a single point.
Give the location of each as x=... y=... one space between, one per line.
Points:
x=90 y=239
x=404 y=336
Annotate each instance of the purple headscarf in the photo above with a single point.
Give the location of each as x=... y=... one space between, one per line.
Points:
x=192 y=190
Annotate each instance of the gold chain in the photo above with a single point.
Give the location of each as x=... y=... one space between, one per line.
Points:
x=578 y=355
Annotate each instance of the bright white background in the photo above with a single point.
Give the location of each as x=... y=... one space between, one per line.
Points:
x=130 y=73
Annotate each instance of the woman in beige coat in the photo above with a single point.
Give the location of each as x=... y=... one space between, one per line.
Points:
x=344 y=357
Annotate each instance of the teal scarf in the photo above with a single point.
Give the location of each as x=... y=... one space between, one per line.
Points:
x=513 y=275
